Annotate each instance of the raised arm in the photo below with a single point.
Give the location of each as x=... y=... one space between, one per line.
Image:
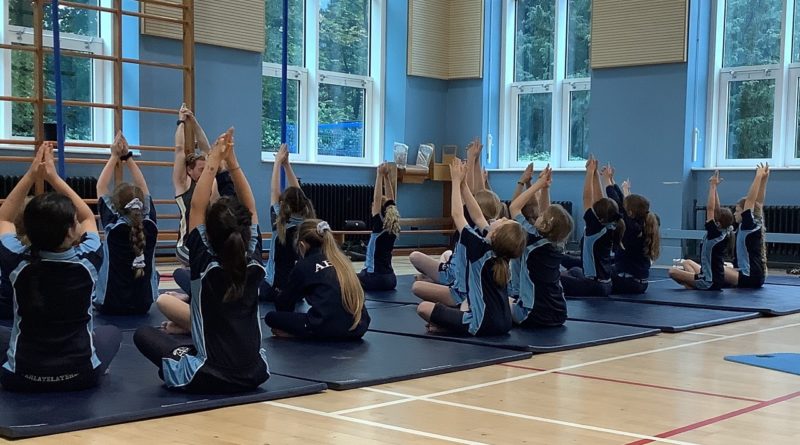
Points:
x=104 y=180
x=199 y=134
x=179 y=165
x=243 y=191
x=16 y=199
x=291 y=178
x=711 y=204
x=202 y=191
x=762 y=189
x=597 y=190
x=752 y=193
x=626 y=188
x=474 y=172
x=137 y=176
x=524 y=181
x=84 y=213
x=544 y=194
x=377 y=193
x=458 y=176
x=516 y=205
x=275 y=184
x=473 y=208
x=387 y=184
x=588 y=186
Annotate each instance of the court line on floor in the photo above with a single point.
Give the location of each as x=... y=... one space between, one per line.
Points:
x=719 y=418
x=629 y=382
x=703 y=333
x=523 y=416
x=375 y=424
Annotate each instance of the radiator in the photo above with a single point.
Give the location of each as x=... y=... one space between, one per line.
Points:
x=337 y=203
x=84 y=186
x=782 y=219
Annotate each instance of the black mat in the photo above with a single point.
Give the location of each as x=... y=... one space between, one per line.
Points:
x=131 y=391
x=772 y=299
x=377 y=358
x=783 y=280
x=574 y=334
x=401 y=295
x=666 y=318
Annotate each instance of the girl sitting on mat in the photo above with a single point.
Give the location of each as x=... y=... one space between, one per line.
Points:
x=128 y=281
x=603 y=232
x=287 y=211
x=751 y=252
x=485 y=310
x=224 y=354
x=325 y=278
x=378 y=274
x=52 y=346
x=642 y=239
x=711 y=274
x=530 y=212
x=6 y=288
x=539 y=300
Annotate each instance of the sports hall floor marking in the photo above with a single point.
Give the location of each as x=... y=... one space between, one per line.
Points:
x=629 y=382
x=703 y=333
x=377 y=424
x=719 y=418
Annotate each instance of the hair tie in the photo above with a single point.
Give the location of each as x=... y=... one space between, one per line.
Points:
x=138 y=262
x=135 y=204
x=323 y=227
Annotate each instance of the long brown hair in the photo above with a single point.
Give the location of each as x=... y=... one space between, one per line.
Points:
x=123 y=194
x=490 y=204
x=555 y=224
x=508 y=242
x=316 y=233
x=228 y=228
x=293 y=202
x=607 y=212
x=639 y=208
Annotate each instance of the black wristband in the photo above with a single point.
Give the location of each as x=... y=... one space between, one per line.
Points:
x=126 y=156
x=180 y=122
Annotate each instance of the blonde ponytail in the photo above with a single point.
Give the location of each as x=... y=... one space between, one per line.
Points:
x=501 y=272
x=391 y=220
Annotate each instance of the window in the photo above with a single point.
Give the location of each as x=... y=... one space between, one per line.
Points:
x=333 y=92
x=755 y=76
x=82 y=78
x=546 y=72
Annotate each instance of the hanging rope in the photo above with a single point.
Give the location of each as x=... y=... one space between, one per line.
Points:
x=57 y=81
x=284 y=79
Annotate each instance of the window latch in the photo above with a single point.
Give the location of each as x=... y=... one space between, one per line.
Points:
x=20 y=33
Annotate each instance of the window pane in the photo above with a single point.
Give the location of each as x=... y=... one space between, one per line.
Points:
x=271 y=117
x=752 y=32
x=796 y=39
x=534 y=40
x=578 y=125
x=750 y=117
x=274 y=32
x=579 y=31
x=533 y=138
x=344 y=36
x=341 y=121
x=76 y=84
x=797 y=122
x=71 y=20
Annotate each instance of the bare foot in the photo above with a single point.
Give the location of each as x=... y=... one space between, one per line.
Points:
x=433 y=329
x=171 y=328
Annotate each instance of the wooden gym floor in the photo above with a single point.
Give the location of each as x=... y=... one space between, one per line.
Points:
x=671 y=388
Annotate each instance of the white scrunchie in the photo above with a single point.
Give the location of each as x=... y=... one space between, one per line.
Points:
x=323 y=226
x=135 y=204
x=138 y=262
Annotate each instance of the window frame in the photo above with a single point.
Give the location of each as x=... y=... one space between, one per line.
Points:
x=560 y=87
x=311 y=77
x=102 y=75
x=786 y=76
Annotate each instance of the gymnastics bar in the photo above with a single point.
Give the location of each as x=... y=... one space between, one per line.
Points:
x=80 y=103
x=787 y=238
x=87 y=161
x=141 y=15
x=71 y=53
x=30 y=142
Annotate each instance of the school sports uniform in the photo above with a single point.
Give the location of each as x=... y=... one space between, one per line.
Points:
x=489 y=312
x=282 y=255
x=225 y=353
x=749 y=250
x=6 y=298
x=118 y=291
x=540 y=298
x=52 y=345
x=314 y=278
x=453 y=272
x=378 y=274
x=594 y=278
x=184 y=201
x=631 y=266
x=712 y=258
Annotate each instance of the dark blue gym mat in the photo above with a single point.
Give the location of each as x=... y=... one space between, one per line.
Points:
x=784 y=362
x=401 y=295
x=783 y=280
x=666 y=318
x=574 y=334
x=131 y=391
x=377 y=358
x=771 y=299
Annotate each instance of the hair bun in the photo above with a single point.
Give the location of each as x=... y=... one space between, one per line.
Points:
x=323 y=227
x=134 y=204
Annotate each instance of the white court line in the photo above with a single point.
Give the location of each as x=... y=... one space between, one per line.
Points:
x=376 y=424
x=703 y=333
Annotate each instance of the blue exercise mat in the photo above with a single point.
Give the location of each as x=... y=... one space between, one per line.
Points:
x=783 y=280
x=771 y=299
x=574 y=334
x=781 y=361
x=665 y=318
x=377 y=358
x=131 y=391
x=401 y=295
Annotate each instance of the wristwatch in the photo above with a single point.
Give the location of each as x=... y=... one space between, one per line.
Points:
x=180 y=122
x=126 y=156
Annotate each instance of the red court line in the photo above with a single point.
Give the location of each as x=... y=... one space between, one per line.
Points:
x=646 y=385
x=719 y=418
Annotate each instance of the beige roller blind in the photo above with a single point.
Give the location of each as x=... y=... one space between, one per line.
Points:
x=445 y=38
x=638 y=32
x=230 y=23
